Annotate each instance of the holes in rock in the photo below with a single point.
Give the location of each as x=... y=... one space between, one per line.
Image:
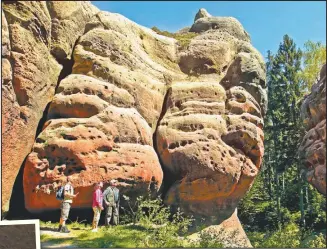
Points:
x=69 y=137
x=105 y=148
x=103 y=169
x=116 y=139
x=172 y=146
x=178 y=104
x=105 y=87
x=23 y=116
x=184 y=143
x=40 y=140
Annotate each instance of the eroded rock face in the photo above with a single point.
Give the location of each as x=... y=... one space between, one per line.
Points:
x=210 y=139
x=202 y=106
x=31 y=74
x=102 y=119
x=313 y=146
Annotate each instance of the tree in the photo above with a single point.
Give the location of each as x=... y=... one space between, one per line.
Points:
x=280 y=198
x=283 y=114
x=314 y=57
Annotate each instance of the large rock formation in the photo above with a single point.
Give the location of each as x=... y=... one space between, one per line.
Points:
x=313 y=146
x=135 y=97
x=210 y=139
x=34 y=35
x=101 y=121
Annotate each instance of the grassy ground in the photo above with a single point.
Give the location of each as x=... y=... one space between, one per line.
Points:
x=127 y=236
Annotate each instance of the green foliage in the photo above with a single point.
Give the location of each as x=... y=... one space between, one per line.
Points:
x=290 y=236
x=210 y=239
x=256 y=210
x=162 y=227
x=281 y=202
x=314 y=57
x=184 y=39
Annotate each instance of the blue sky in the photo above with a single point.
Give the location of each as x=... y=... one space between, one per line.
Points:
x=266 y=22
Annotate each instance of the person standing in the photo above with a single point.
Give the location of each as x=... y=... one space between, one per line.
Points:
x=97 y=205
x=111 y=200
x=66 y=204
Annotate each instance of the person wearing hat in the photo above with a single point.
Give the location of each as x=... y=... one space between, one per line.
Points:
x=111 y=199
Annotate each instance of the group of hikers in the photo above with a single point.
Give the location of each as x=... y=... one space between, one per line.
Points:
x=107 y=200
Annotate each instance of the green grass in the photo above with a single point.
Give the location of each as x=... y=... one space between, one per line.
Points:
x=127 y=236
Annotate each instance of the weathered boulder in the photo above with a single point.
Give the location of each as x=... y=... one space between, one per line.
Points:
x=203 y=21
x=313 y=146
x=102 y=118
x=68 y=23
x=210 y=137
x=115 y=143
x=31 y=74
x=28 y=88
x=201 y=13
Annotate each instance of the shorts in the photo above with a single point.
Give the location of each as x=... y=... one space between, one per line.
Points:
x=65 y=208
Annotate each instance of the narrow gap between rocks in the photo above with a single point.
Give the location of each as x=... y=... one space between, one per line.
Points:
x=168 y=178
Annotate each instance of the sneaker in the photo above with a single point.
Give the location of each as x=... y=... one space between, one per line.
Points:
x=94 y=230
x=59 y=229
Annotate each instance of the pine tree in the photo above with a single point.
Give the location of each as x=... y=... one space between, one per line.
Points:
x=283 y=114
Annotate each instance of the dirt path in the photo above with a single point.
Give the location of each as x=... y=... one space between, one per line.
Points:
x=57 y=235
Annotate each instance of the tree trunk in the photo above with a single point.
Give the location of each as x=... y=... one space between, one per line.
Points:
x=301 y=201
x=278 y=201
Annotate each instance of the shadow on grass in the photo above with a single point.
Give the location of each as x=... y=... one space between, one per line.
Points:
x=49 y=229
x=57 y=241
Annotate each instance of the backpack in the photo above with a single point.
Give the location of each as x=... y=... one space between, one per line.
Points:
x=60 y=194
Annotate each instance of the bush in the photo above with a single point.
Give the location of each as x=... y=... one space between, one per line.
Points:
x=163 y=228
x=290 y=236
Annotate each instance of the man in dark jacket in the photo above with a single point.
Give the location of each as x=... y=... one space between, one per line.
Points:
x=111 y=199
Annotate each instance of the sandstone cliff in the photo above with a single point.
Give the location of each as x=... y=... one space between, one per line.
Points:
x=134 y=106
x=36 y=38
x=313 y=146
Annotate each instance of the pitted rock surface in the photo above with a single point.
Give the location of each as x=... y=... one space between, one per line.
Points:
x=210 y=139
x=117 y=87
x=32 y=34
x=313 y=146
x=135 y=97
